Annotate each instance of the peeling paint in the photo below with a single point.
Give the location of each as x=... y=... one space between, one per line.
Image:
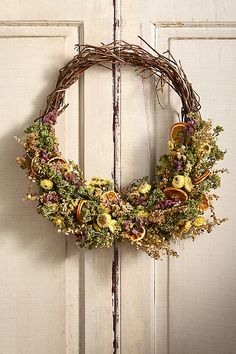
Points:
x=115 y=299
x=116 y=79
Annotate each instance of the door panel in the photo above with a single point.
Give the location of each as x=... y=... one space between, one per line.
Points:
x=33 y=319
x=75 y=285
x=137 y=270
x=201 y=282
x=56 y=298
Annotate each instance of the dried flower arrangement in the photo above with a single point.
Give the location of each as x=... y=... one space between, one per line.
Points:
x=151 y=216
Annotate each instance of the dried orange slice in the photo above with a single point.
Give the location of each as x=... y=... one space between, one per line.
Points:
x=175 y=130
x=202 y=177
x=204 y=204
x=79 y=208
x=176 y=193
x=109 y=196
x=63 y=163
x=139 y=235
x=32 y=165
x=55 y=159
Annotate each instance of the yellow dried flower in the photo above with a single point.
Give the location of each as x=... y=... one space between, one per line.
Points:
x=143 y=214
x=205 y=149
x=144 y=188
x=46 y=184
x=185 y=228
x=199 y=221
x=178 y=181
x=112 y=226
x=171 y=144
x=67 y=167
x=58 y=221
x=188 y=184
x=104 y=220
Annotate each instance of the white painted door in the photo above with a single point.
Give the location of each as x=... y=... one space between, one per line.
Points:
x=56 y=299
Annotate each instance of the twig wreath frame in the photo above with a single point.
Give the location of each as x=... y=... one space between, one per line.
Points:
x=151 y=216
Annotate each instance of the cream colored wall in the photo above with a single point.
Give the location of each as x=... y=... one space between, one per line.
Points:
x=55 y=299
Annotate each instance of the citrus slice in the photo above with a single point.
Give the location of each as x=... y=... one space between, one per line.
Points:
x=202 y=177
x=79 y=208
x=139 y=235
x=176 y=193
x=204 y=204
x=63 y=163
x=33 y=165
x=175 y=131
x=55 y=159
x=109 y=196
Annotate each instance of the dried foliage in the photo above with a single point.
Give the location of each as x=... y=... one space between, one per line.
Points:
x=151 y=216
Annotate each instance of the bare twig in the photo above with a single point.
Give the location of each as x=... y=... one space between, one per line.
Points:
x=165 y=69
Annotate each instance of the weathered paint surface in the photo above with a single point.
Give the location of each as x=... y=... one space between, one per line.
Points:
x=55 y=299
x=116 y=74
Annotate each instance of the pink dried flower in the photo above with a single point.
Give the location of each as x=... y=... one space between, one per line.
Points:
x=50 y=118
x=52 y=197
x=71 y=177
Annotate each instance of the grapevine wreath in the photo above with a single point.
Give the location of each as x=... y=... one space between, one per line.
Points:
x=151 y=216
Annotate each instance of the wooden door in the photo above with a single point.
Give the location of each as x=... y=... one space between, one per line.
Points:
x=56 y=299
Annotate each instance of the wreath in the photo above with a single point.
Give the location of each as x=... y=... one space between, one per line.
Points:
x=151 y=216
